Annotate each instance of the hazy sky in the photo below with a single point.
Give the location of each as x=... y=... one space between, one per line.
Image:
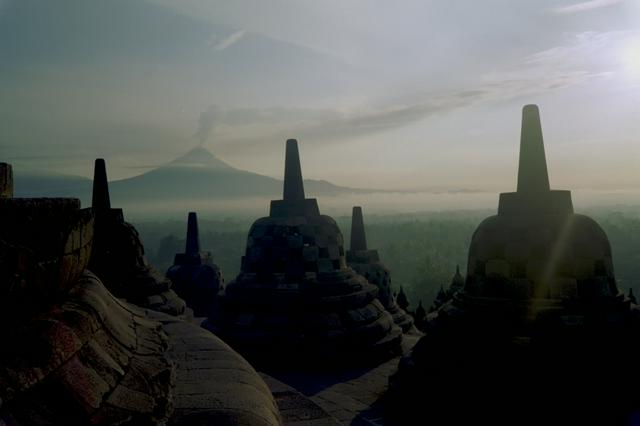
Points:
x=389 y=94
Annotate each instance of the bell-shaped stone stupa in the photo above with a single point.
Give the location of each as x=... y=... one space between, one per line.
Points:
x=539 y=317
x=367 y=263
x=536 y=252
x=195 y=277
x=118 y=255
x=295 y=292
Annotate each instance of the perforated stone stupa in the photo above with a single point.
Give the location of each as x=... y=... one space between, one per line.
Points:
x=118 y=255
x=195 y=277
x=539 y=318
x=536 y=249
x=367 y=263
x=295 y=292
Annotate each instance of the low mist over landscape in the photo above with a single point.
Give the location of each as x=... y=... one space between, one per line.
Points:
x=421 y=249
x=200 y=181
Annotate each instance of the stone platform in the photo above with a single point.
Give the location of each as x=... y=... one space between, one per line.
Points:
x=352 y=396
x=297 y=409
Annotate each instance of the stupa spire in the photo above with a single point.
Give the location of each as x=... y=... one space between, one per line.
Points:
x=193 y=238
x=100 y=198
x=293 y=186
x=532 y=169
x=6 y=181
x=358 y=235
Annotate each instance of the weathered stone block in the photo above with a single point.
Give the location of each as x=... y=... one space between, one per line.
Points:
x=498 y=267
x=325 y=265
x=520 y=289
x=584 y=268
x=517 y=251
x=562 y=288
x=334 y=251
x=537 y=269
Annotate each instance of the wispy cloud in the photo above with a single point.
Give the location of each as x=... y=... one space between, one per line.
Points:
x=585 y=6
x=579 y=58
x=254 y=126
x=230 y=40
x=569 y=64
x=596 y=52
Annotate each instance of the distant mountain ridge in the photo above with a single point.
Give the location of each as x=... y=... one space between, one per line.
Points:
x=198 y=174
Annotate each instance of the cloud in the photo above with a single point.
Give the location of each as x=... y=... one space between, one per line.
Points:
x=577 y=60
x=230 y=40
x=253 y=126
x=585 y=6
x=597 y=52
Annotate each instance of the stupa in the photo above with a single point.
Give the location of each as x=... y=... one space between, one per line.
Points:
x=45 y=244
x=457 y=282
x=443 y=296
x=195 y=277
x=73 y=354
x=118 y=255
x=539 y=317
x=295 y=293
x=536 y=252
x=367 y=263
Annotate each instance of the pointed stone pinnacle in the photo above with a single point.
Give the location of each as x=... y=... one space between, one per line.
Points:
x=293 y=186
x=532 y=169
x=193 y=237
x=358 y=235
x=6 y=181
x=100 y=200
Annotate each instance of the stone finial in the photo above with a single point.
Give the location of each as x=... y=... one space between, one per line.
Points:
x=193 y=238
x=457 y=282
x=402 y=300
x=358 y=235
x=532 y=169
x=293 y=186
x=100 y=200
x=6 y=181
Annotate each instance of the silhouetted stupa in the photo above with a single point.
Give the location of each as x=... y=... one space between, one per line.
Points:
x=367 y=263
x=118 y=255
x=73 y=354
x=457 y=282
x=295 y=293
x=6 y=181
x=444 y=296
x=195 y=277
x=539 y=318
x=402 y=300
x=536 y=252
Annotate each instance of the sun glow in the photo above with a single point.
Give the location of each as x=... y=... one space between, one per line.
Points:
x=631 y=57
